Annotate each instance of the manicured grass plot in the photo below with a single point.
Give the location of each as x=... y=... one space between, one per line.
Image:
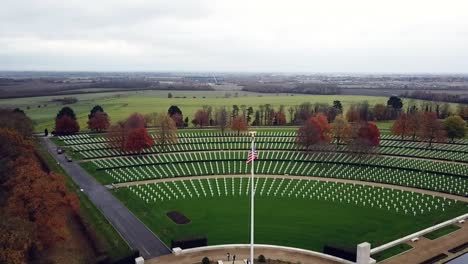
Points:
x=299 y=213
x=393 y=251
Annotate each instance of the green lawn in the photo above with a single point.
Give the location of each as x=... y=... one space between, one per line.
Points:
x=121 y=104
x=295 y=222
x=393 y=251
x=442 y=232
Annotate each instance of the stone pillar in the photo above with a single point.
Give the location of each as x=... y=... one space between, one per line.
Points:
x=177 y=251
x=363 y=254
x=139 y=260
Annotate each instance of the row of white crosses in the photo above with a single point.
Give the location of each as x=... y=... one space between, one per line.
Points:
x=104 y=151
x=449 y=184
x=439 y=167
x=397 y=137
x=215 y=140
x=402 y=202
x=424 y=153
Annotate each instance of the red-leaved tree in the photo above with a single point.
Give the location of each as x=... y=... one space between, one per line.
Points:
x=239 y=124
x=135 y=120
x=280 y=118
x=201 y=118
x=401 y=126
x=66 y=126
x=369 y=134
x=365 y=138
x=178 y=120
x=314 y=133
x=99 y=122
x=325 y=127
x=138 y=139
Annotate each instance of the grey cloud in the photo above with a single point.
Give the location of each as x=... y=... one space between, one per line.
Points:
x=241 y=35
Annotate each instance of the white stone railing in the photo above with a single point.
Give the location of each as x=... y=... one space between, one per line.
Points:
x=418 y=234
x=291 y=249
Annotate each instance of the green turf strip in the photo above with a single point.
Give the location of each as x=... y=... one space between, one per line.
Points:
x=441 y=232
x=393 y=251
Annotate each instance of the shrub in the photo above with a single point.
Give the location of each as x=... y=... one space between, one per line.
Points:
x=205 y=260
x=261 y=259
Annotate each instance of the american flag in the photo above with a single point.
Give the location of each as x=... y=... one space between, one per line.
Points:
x=253 y=154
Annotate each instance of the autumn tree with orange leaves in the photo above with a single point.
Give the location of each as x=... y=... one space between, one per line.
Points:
x=138 y=139
x=341 y=130
x=119 y=133
x=239 y=124
x=402 y=126
x=35 y=199
x=314 y=133
x=431 y=129
x=365 y=138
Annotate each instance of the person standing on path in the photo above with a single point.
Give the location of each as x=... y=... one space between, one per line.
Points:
x=228 y=256
x=233 y=259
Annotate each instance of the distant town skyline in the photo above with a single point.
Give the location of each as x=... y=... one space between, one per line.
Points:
x=334 y=36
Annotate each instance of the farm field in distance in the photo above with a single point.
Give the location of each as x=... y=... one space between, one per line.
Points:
x=119 y=105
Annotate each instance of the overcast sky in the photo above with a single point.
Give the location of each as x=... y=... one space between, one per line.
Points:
x=423 y=36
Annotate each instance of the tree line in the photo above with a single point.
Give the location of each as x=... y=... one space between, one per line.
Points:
x=34 y=202
x=303 y=88
x=437 y=97
x=133 y=131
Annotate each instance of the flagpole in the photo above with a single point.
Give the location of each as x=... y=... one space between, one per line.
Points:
x=252 y=194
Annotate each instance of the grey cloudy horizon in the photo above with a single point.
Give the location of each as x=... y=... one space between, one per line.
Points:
x=398 y=36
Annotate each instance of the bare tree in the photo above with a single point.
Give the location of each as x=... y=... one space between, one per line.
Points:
x=166 y=130
x=222 y=118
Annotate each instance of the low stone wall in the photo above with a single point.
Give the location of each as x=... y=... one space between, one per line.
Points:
x=290 y=249
x=418 y=234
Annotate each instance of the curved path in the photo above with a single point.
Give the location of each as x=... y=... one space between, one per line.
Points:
x=323 y=179
x=137 y=235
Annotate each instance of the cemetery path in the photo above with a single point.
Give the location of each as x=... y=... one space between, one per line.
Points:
x=137 y=235
x=375 y=184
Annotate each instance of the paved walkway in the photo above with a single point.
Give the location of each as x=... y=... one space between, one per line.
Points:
x=241 y=253
x=426 y=248
x=375 y=184
x=137 y=235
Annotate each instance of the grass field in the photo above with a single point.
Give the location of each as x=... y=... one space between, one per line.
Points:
x=296 y=222
x=121 y=104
